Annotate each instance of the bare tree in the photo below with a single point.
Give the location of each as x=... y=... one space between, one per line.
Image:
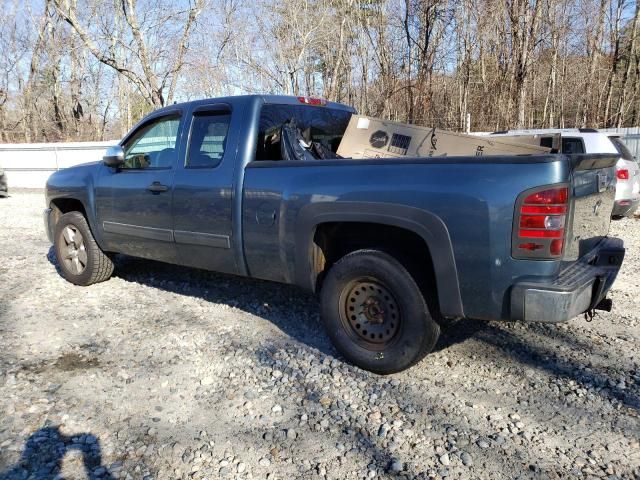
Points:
x=631 y=55
x=155 y=76
x=524 y=16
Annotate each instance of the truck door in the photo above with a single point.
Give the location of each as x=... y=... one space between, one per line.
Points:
x=204 y=190
x=134 y=201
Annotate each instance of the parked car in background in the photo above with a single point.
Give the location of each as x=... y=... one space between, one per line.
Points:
x=628 y=186
x=588 y=140
x=4 y=190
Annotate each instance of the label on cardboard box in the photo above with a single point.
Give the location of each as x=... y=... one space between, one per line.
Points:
x=363 y=122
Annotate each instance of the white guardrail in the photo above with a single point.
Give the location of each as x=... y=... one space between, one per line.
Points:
x=28 y=165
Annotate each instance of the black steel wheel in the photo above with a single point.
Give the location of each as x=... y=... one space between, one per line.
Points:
x=370 y=313
x=375 y=313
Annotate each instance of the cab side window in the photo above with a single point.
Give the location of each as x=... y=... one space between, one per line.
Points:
x=208 y=139
x=153 y=145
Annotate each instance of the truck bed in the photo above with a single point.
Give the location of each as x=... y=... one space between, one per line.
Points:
x=469 y=202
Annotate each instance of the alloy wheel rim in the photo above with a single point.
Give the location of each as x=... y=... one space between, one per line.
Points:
x=74 y=252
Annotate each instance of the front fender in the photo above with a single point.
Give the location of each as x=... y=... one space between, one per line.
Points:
x=76 y=183
x=423 y=223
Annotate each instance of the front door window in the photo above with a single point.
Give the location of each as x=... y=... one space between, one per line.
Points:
x=153 y=145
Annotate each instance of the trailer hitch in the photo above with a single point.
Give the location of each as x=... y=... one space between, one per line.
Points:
x=605 y=305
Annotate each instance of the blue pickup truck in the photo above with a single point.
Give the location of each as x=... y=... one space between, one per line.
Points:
x=252 y=186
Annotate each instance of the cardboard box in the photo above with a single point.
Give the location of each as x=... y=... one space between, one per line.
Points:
x=367 y=137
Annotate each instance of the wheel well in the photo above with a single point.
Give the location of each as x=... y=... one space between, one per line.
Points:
x=334 y=240
x=60 y=206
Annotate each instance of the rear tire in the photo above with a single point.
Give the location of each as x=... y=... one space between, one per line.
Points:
x=375 y=313
x=81 y=260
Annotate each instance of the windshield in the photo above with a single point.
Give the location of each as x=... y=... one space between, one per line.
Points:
x=623 y=150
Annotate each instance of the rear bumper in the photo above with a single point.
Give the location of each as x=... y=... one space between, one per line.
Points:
x=577 y=289
x=625 y=208
x=48 y=225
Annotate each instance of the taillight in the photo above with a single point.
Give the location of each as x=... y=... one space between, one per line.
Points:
x=318 y=102
x=623 y=174
x=539 y=228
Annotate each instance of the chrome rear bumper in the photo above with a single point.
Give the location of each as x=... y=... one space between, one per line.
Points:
x=577 y=289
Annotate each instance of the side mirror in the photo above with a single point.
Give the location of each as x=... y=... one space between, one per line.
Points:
x=114 y=157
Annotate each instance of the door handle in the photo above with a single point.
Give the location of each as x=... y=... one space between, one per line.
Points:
x=157 y=187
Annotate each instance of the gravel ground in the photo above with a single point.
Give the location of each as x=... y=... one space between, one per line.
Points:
x=166 y=372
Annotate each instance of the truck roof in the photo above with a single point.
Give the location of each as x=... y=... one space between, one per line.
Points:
x=271 y=99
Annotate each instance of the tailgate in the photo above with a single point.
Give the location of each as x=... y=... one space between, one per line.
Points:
x=594 y=186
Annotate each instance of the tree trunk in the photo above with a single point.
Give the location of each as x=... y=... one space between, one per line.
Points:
x=627 y=72
x=615 y=59
x=594 y=41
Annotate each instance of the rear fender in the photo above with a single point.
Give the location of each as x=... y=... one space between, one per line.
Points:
x=425 y=224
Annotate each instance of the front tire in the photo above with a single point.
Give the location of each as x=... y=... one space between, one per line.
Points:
x=375 y=313
x=81 y=260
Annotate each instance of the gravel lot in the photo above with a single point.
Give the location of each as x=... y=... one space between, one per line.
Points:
x=166 y=372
